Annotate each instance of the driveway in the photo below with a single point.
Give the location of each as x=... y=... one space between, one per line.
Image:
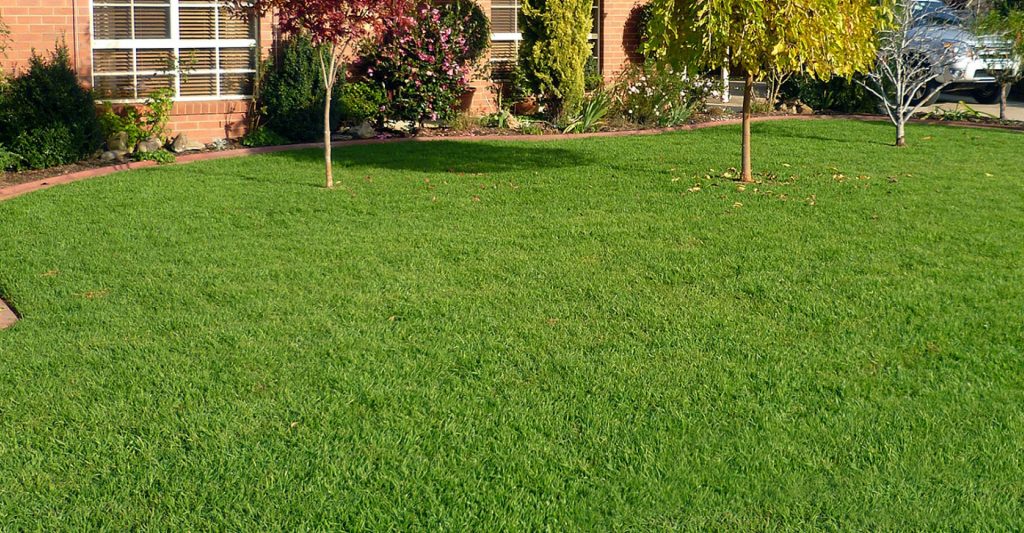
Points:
x=1014 y=108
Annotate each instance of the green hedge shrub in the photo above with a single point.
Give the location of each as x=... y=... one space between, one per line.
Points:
x=360 y=101
x=554 y=51
x=292 y=94
x=838 y=94
x=46 y=116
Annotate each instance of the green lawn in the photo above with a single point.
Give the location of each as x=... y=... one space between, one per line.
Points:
x=524 y=336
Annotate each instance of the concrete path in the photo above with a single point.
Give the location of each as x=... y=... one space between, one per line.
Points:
x=1014 y=108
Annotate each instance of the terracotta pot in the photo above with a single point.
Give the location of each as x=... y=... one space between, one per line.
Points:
x=466 y=101
x=526 y=107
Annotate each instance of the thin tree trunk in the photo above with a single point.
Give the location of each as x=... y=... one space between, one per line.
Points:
x=327 y=138
x=1004 y=91
x=901 y=135
x=748 y=99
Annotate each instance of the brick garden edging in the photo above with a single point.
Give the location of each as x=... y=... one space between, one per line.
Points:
x=32 y=186
x=7 y=315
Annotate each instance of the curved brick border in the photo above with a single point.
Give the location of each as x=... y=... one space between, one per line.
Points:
x=7 y=315
x=32 y=186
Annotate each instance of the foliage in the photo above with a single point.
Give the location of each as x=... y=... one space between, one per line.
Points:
x=464 y=122
x=822 y=38
x=161 y=156
x=592 y=78
x=658 y=95
x=510 y=336
x=361 y=101
x=140 y=122
x=263 y=136
x=46 y=146
x=1007 y=21
x=9 y=160
x=423 y=68
x=47 y=104
x=501 y=119
x=595 y=108
x=554 y=51
x=467 y=19
x=292 y=93
x=962 y=112
x=838 y=94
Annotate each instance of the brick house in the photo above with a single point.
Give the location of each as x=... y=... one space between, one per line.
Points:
x=126 y=49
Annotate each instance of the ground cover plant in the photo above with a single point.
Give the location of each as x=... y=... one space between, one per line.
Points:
x=598 y=334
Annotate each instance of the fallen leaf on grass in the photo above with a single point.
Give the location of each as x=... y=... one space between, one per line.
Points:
x=50 y=273
x=92 y=295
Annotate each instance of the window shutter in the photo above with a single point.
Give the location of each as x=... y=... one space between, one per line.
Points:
x=112 y=22
x=152 y=22
x=196 y=23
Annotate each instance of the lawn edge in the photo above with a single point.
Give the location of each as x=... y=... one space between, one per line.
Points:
x=7 y=315
x=20 y=189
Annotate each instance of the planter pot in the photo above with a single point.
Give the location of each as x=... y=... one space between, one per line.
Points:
x=466 y=101
x=526 y=107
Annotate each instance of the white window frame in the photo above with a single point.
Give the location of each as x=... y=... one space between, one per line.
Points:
x=174 y=44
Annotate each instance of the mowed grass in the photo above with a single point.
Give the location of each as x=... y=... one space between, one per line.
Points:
x=526 y=336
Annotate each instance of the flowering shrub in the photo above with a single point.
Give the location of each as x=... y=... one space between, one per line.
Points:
x=425 y=68
x=654 y=95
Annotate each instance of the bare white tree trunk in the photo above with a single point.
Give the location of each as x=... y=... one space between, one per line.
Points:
x=901 y=132
x=1004 y=92
x=329 y=69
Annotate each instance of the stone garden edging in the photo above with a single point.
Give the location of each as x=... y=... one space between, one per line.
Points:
x=20 y=189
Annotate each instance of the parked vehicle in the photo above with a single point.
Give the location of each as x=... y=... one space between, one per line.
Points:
x=963 y=60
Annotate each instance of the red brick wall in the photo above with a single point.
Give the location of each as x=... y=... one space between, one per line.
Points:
x=618 y=36
x=39 y=24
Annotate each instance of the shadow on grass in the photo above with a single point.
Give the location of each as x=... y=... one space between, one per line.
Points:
x=447 y=156
x=878 y=137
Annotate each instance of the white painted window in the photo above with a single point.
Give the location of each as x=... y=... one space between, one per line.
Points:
x=506 y=35
x=198 y=48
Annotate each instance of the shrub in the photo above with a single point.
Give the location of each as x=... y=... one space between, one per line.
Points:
x=45 y=147
x=838 y=94
x=656 y=95
x=161 y=156
x=262 y=136
x=591 y=118
x=292 y=94
x=140 y=122
x=554 y=50
x=360 y=101
x=468 y=19
x=592 y=78
x=9 y=160
x=46 y=117
x=423 y=68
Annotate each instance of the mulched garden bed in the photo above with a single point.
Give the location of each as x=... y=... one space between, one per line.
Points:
x=8 y=179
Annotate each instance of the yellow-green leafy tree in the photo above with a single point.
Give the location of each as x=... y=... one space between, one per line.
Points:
x=822 y=38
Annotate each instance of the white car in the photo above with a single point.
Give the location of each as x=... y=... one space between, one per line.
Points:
x=964 y=61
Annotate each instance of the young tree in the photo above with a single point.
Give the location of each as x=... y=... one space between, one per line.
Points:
x=822 y=38
x=1007 y=22
x=907 y=69
x=337 y=27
